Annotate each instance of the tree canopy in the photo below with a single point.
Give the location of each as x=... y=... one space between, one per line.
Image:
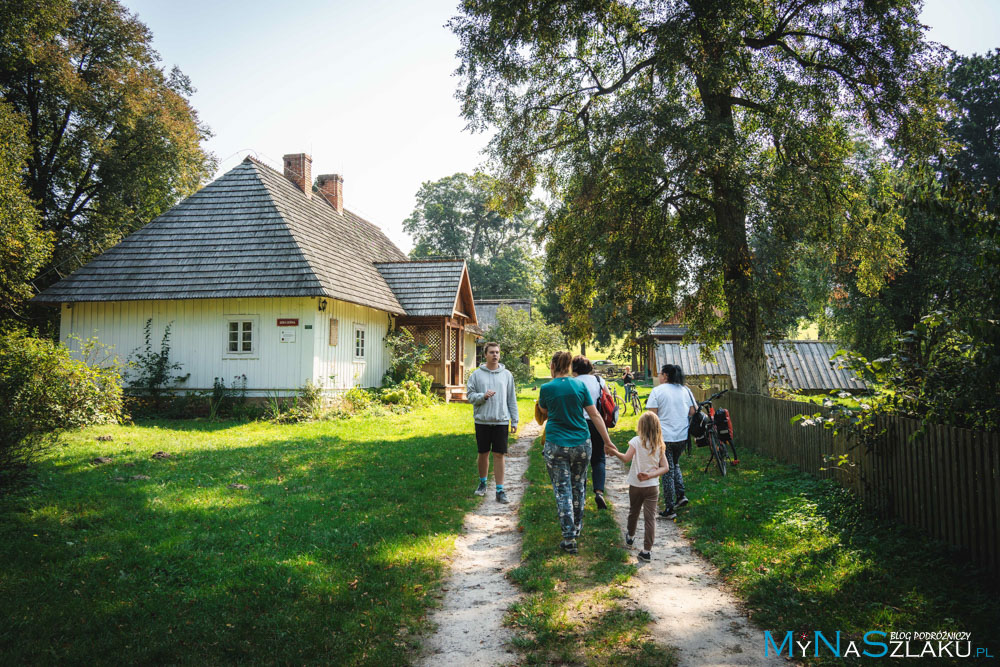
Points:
x=521 y=338
x=709 y=140
x=23 y=246
x=112 y=139
x=463 y=216
x=933 y=332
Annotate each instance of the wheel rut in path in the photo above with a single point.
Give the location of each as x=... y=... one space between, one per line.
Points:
x=477 y=593
x=691 y=609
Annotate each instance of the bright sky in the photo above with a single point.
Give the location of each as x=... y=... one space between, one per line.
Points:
x=367 y=88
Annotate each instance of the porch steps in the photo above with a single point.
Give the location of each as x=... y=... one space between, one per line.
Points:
x=453 y=394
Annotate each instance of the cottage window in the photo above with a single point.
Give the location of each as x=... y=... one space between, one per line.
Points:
x=359 y=342
x=242 y=336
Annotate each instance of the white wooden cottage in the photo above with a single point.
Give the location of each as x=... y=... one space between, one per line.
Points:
x=261 y=274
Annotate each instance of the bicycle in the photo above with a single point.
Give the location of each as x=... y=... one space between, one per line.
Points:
x=711 y=438
x=619 y=403
x=632 y=398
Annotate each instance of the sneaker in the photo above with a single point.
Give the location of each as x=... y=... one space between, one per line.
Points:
x=569 y=546
x=602 y=504
x=629 y=539
x=481 y=489
x=502 y=497
x=668 y=514
x=644 y=556
x=682 y=502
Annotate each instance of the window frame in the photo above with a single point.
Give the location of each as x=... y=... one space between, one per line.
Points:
x=363 y=330
x=255 y=334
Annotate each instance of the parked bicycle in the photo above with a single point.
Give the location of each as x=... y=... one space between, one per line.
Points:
x=619 y=402
x=632 y=398
x=714 y=429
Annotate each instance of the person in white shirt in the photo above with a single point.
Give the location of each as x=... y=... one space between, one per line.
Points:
x=673 y=404
x=649 y=461
x=583 y=371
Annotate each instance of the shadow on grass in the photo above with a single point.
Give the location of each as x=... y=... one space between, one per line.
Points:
x=330 y=555
x=805 y=556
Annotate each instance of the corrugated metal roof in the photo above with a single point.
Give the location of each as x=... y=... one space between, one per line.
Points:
x=425 y=288
x=487 y=309
x=795 y=364
x=249 y=233
x=661 y=329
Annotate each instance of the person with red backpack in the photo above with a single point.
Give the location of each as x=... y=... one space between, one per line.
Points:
x=583 y=371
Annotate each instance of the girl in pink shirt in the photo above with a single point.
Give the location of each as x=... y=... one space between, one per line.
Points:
x=649 y=461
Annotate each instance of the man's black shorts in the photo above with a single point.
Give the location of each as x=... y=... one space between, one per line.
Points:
x=492 y=437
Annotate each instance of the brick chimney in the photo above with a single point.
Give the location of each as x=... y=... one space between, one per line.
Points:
x=298 y=169
x=331 y=186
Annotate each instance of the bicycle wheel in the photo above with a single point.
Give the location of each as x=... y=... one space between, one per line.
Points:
x=636 y=404
x=719 y=452
x=619 y=403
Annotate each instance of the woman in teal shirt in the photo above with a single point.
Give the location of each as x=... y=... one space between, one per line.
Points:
x=567 y=443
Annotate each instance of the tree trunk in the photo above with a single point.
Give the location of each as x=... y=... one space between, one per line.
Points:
x=635 y=352
x=583 y=348
x=737 y=266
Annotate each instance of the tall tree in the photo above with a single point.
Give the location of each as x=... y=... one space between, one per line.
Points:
x=974 y=89
x=724 y=102
x=950 y=207
x=463 y=216
x=113 y=139
x=23 y=246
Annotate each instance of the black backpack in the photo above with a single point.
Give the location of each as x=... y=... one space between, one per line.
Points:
x=698 y=428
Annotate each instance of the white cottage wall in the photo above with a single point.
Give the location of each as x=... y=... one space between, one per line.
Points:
x=335 y=366
x=470 y=352
x=199 y=334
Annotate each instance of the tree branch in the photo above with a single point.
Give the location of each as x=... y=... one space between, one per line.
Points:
x=749 y=104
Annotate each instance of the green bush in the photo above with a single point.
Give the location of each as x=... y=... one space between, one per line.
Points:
x=406 y=361
x=357 y=399
x=521 y=337
x=44 y=390
x=226 y=401
x=425 y=380
x=408 y=393
x=151 y=373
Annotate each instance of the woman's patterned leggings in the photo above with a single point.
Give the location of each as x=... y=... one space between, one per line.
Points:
x=567 y=468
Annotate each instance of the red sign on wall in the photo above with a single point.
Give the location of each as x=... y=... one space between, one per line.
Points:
x=288 y=322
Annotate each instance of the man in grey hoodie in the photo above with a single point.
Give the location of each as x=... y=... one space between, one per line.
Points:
x=494 y=409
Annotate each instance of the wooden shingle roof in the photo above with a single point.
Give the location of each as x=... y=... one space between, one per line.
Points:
x=429 y=287
x=249 y=233
x=796 y=364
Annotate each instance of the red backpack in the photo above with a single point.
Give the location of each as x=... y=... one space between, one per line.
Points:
x=606 y=406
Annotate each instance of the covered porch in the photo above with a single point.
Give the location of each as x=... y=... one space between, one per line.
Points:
x=437 y=297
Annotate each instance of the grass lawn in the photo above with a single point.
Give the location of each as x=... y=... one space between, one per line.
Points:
x=330 y=556
x=800 y=552
x=804 y=556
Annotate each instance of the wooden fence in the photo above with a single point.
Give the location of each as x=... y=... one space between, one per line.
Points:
x=945 y=481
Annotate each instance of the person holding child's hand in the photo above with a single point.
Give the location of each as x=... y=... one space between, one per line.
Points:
x=647 y=455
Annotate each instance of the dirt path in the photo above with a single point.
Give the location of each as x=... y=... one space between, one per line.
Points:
x=691 y=610
x=477 y=593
